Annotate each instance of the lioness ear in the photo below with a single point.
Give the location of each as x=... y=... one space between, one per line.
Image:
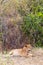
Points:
x=25 y=45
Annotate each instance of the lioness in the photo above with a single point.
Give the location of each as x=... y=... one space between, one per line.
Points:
x=21 y=52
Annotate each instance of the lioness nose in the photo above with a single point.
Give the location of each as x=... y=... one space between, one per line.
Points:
x=29 y=49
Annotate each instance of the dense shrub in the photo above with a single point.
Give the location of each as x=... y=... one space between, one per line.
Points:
x=33 y=27
x=33 y=21
x=28 y=12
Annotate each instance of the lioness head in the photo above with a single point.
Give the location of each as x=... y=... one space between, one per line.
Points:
x=27 y=47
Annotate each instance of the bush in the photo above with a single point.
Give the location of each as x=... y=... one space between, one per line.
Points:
x=33 y=27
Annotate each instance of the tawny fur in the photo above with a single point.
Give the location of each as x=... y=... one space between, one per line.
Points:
x=21 y=52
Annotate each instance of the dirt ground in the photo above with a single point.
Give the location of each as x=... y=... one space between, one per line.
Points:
x=37 y=59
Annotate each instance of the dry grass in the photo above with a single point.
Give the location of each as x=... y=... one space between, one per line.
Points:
x=37 y=59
